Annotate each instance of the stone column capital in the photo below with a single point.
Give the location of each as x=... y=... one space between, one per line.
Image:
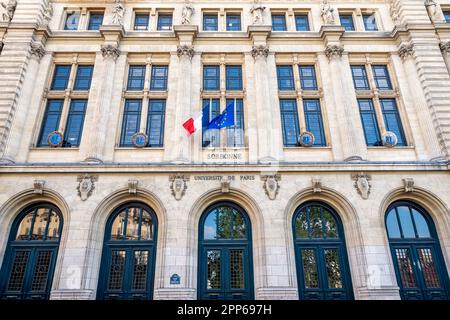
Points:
x=37 y=50
x=445 y=46
x=406 y=50
x=261 y=51
x=185 y=50
x=110 y=52
x=334 y=51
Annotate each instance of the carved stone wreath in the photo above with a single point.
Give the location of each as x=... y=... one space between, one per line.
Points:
x=86 y=185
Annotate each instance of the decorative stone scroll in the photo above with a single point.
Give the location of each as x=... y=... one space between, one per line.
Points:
x=185 y=50
x=86 y=185
x=334 y=50
x=406 y=50
x=362 y=184
x=260 y=51
x=37 y=50
x=178 y=185
x=271 y=185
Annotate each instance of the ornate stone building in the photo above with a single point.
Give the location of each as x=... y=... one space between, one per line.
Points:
x=332 y=182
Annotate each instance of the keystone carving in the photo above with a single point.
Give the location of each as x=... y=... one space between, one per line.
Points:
x=39 y=186
x=408 y=184
x=86 y=185
x=260 y=51
x=178 y=185
x=362 y=184
x=271 y=185
x=334 y=50
x=132 y=186
x=110 y=52
x=316 y=185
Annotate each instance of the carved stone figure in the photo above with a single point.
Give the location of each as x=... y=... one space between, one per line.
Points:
x=393 y=11
x=10 y=8
x=316 y=185
x=271 y=185
x=408 y=184
x=187 y=12
x=39 y=186
x=86 y=185
x=178 y=185
x=47 y=14
x=362 y=184
x=118 y=13
x=432 y=9
x=257 y=11
x=327 y=13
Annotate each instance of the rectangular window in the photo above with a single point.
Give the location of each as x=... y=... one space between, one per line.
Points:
x=285 y=78
x=61 y=77
x=233 y=77
x=308 y=77
x=159 y=78
x=233 y=22
x=211 y=109
x=381 y=76
x=392 y=119
x=75 y=121
x=95 y=21
x=347 y=22
x=51 y=120
x=155 y=123
x=72 y=21
x=289 y=122
x=360 y=77
x=370 y=23
x=235 y=135
x=314 y=123
x=210 y=22
x=165 y=22
x=136 y=78
x=131 y=122
x=279 y=22
x=84 y=78
x=301 y=22
x=447 y=16
x=141 y=21
x=211 y=78
x=369 y=122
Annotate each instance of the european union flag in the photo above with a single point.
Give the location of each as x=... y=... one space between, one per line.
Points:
x=226 y=119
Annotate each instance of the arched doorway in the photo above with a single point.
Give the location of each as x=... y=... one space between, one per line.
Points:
x=30 y=258
x=225 y=253
x=417 y=256
x=323 y=272
x=129 y=252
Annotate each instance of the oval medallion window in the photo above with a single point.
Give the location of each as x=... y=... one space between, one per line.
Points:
x=417 y=256
x=30 y=257
x=321 y=258
x=129 y=252
x=225 y=256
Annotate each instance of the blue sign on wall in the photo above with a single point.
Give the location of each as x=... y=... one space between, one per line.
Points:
x=175 y=279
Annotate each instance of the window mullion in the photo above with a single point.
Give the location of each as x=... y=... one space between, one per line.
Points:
x=64 y=113
x=301 y=113
x=379 y=114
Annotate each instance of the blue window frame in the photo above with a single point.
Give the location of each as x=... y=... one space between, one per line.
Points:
x=392 y=119
x=360 y=80
x=95 y=21
x=233 y=77
x=158 y=81
x=289 y=122
x=51 y=120
x=30 y=256
x=279 y=22
x=233 y=22
x=236 y=134
x=370 y=23
x=210 y=22
x=447 y=16
x=314 y=122
x=75 y=122
x=84 y=78
x=308 y=77
x=141 y=21
x=131 y=122
x=136 y=78
x=61 y=77
x=129 y=252
x=164 y=22
x=285 y=76
x=211 y=109
x=347 y=22
x=381 y=76
x=225 y=254
x=416 y=253
x=301 y=22
x=72 y=21
x=155 y=123
x=369 y=122
x=211 y=78
x=323 y=271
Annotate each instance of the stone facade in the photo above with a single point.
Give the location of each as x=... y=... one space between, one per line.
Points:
x=413 y=40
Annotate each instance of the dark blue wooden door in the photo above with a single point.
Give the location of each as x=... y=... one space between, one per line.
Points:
x=225 y=258
x=322 y=264
x=416 y=253
x=129 y=252
x=30 y=258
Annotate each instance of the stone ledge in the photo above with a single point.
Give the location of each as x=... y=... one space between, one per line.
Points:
x=382 y=293
x=277 y=293
x=72 y=294
x=175 y=294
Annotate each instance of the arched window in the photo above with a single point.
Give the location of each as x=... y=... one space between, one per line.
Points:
x=418 y=261
x=129 y=253
x=322 y=264
x=225 y=256
x=30 y=258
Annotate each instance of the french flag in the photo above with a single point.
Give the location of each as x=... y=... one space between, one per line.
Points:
x=193 y=123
